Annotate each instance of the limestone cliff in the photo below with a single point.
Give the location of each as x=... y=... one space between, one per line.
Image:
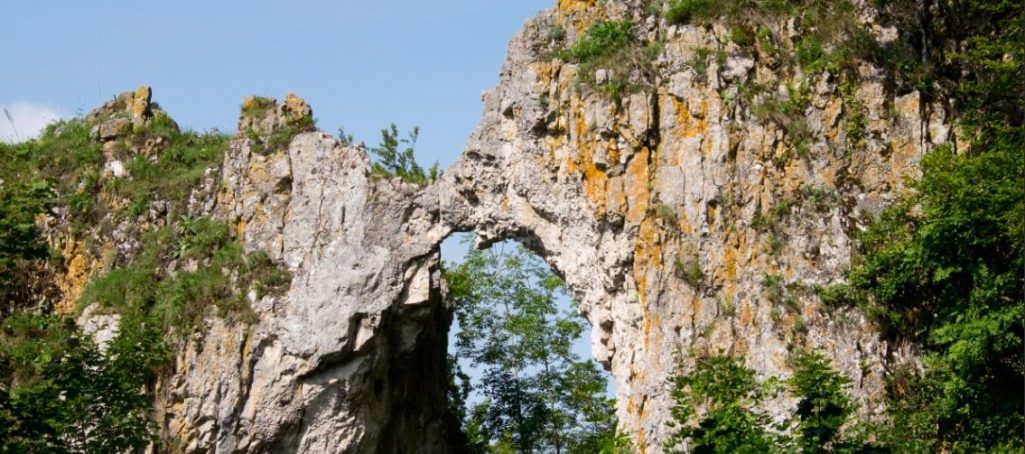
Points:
x=627 y=200
x=681 y=221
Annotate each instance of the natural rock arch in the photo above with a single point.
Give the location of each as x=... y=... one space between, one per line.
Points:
x=611 y=195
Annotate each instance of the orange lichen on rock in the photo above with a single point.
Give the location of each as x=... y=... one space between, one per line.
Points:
x=689 y=126
x=80 y=269
x=647 y=256
x=729 y=259
x=565 y=6
x=636 y=187
x=595 y=181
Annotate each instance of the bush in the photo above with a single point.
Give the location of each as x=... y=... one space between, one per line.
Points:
x=280 y=137
x=20 y=203
x=60 y=393
x=683 y=11
x=610 y=46
x=716 y=408
x=179 y=301
x=689 y=271
x=392 y=162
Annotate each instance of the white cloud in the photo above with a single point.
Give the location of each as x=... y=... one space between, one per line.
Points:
x=23 y=120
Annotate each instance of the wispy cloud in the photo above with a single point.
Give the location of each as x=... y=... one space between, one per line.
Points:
x=23 y=120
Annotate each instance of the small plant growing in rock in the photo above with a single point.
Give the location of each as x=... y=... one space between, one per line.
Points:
x=556 y=32
x=773 y=286
x=395 y=162
x=258 y=106
x=665 y=213
x=699 y=62
x=281 y=136
x=610 y=58
x=689 y=270
x=821 y=198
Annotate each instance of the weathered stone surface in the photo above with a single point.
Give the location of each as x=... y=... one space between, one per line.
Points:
x=352 y=358
x=698 y=169
x=612 y=195
x=112 y=129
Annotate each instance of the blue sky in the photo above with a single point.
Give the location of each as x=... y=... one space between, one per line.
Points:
x=360 y=64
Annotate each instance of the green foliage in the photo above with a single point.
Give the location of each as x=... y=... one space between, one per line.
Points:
x=665 y=213
x=855 y=121
x=716 y=409
x=178 y=301
x=821 y=198
x=556 y=32
x=258 y=106
x=67 y=159
x=610 y=46
x=771 y=220
x=70 y=161
x=824 y=406
x=742 y=35
x=393 y=162
x=539 y=396
x=173 y=174
x=944 y=266
x=689 y=270
x=20 y=203
x=280 y=136
x=774 y=288
x=789 y=114
x=60 y=393
x=699 y=62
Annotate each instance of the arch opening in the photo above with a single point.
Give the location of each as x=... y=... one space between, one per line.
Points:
x=521 y=373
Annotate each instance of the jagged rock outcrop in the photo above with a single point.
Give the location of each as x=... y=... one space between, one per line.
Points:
x=681 y=221
x=352 y=357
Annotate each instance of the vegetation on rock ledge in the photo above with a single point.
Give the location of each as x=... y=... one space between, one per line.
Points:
x=59 y=391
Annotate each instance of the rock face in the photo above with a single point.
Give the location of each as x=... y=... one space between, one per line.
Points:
x=682 y=222
x=352 y=357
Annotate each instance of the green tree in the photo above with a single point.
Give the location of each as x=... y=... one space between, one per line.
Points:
x=824 y=418
x=20 y=203
x=717 y=409
x=539 y=396
x=395 y=162
x=943 y=267
x=60 y=393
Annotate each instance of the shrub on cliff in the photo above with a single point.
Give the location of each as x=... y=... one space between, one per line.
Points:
x=60 y=393
x=393 y=162
x=719 y=407
x=611 y=60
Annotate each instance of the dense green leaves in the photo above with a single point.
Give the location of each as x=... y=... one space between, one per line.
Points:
x=60 y=393
x=729 y=398
x=20 y=203
x=944 y=267
x=538 y=395
x=719 y=407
